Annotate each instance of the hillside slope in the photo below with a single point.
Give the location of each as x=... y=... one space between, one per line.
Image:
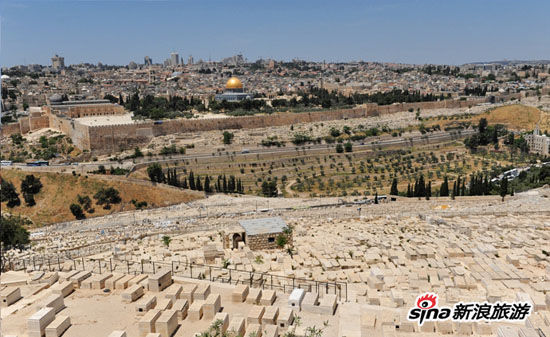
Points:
x=518 y=117
x=60 y=190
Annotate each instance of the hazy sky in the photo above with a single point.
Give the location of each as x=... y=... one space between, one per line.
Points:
x=406 y=31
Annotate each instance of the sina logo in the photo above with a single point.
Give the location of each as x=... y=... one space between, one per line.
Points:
x=426 y=310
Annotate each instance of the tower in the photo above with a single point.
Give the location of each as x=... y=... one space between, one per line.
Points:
x=174 y=59
x=58 y=62
x=147 y=61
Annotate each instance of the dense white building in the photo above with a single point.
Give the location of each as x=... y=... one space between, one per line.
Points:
x=538 y=143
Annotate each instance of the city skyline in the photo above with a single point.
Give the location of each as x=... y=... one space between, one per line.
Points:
x=415 y=32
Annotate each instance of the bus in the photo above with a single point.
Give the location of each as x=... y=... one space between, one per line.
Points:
x=6 y=163
x=39 y=163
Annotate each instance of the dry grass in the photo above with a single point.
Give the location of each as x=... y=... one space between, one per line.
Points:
x=517 y=117
x=60 y=190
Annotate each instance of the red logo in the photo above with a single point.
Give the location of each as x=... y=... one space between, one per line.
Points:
x=426 y=301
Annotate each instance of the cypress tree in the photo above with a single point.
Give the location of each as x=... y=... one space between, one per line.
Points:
x=192 y=181
x=394 y=190
x=503 y=187
x=458 y=186
x=455 y=191
x=486 y=186
x=184 y=184
x=231 y=185
x=207 y=187
x=444 y=190
x=463 y=191
x=198 y=184
x=224 y=184
x=421 y=186
x=409 y=193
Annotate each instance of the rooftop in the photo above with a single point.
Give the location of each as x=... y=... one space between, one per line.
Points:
x=263 y=226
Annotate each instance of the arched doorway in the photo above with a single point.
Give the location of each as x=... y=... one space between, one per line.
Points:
x=236 y=239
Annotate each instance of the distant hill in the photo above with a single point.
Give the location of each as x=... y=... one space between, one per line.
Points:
x=513 y=62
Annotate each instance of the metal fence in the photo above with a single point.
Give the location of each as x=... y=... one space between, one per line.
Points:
x=182 y=269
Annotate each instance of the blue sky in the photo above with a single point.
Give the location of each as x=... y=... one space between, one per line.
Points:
x=406 y=31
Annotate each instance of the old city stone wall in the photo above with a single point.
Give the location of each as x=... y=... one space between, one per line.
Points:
x=104 y=139
x=37 y=123
x=77 y=132
x=108 y=138
x=11 y=129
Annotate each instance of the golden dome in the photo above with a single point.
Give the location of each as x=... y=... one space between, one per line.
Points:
x=233 y=83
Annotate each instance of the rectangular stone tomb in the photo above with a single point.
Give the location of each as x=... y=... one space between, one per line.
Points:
x=311 y=299
x=295 y=299
x=137 y=279
x=160 y=280
x=196 y=311
x=255 y=314
x=285 y=318
x=202 y=291
x=240 y=293
x=9 y=296
x=79 y=277
x=112 y=281
x=188 y=291
x=98 y=281
x=132 y=294
x=173 y=292
x=147 y=323
x=164 y=304
x=270 y=331
x=118 y=333
x=254 y=296
x=146 y=304
x=55 y=301
x=268 y=297
x=327 y=304
x=124 y=282
x=181 y=306
x=63 y=288
x=223 y=317
x=167 y=323
x=58 y=326
x=270 y=315
x=212 y=305
x=236 y=325
x=253 y=330
x=37 y=323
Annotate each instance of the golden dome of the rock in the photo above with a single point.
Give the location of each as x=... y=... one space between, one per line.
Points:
x=233 y=83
